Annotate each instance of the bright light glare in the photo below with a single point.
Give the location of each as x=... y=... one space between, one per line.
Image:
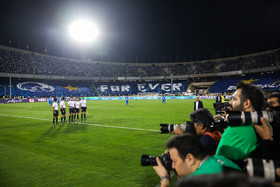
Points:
x=83 y=31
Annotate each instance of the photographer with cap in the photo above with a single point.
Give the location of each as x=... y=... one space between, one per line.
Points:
x=202 y=119
x=189 y=159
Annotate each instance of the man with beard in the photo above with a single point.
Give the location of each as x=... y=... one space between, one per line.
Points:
x=239 y=141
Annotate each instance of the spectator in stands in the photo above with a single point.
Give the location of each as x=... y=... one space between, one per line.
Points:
x=189 y=159
x=198 y=104
x=238 y=142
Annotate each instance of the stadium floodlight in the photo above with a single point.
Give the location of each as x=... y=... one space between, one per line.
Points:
x=83 y=31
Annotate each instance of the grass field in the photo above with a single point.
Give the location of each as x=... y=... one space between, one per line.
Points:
x=104 y=151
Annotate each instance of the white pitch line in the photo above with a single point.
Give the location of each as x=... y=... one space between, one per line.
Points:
x=98 y=125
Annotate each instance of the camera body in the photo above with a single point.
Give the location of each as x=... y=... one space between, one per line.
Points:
x=147 y=160
x=168 y=128
x=262 y=168
x=219 y=107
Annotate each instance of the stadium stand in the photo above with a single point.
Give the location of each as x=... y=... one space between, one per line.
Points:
x=26 y=62
x=268 y=82
x=109 y=78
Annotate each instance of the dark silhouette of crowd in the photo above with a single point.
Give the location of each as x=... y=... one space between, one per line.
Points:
x=26 y=62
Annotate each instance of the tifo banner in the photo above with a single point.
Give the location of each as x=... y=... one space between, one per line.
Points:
x=143 y=87
x=140 y=98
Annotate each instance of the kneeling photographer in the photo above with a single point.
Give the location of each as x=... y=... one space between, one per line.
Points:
x=206 y=129
x=202 y=124
x=189 y=159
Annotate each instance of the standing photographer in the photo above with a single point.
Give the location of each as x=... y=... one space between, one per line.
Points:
x=189 y=158
x=238 y=142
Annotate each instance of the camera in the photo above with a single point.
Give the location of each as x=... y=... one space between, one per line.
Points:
x=262 y=168
x=219 y=107
x=168 y=128
x=217 y=126
x=147 y=160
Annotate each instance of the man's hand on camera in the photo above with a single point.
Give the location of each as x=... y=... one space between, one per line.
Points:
x=178 y=130
x=264 y=131
x=160 y=169
x=162 y=173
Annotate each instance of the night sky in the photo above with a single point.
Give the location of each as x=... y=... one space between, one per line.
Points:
x=152 y=30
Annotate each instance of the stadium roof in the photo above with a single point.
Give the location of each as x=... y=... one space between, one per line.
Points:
x=144 y=30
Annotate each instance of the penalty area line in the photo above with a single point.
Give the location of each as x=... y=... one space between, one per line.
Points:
x=98 y=125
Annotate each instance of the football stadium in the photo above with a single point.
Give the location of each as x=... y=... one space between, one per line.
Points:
x=79 y=115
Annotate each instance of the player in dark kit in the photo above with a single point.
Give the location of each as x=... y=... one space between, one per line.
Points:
x=55 y=111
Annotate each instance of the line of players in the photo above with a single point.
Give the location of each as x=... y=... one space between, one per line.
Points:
x=74 y=105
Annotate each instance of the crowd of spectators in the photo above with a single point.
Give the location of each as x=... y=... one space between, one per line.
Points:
x=26 y=62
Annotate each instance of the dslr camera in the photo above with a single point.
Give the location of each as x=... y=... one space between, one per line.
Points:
x=168 y=128
x=147 y=160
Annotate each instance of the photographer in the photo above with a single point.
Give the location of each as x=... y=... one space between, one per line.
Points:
x=202 y=119
x=274 y=99
x=238 y=142
x=189 y=158
x=268 y=148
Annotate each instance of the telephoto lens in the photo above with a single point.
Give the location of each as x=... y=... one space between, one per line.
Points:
x=168 y=128
x=235 y=118
x=262 y=168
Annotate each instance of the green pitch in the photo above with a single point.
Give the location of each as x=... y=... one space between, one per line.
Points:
x=104 y=151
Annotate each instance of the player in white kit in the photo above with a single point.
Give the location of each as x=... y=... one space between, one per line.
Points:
x=71 y=105
x=63 y=110
x=83 y=108
x=55 y=111
x=77 y=108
